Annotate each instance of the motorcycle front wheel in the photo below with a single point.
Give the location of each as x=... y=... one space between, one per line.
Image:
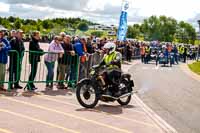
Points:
x=86 y=95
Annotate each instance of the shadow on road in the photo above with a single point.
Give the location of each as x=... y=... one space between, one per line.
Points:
x=57 y=92
x=110 y=109
x=11 y=93
x=14 y=93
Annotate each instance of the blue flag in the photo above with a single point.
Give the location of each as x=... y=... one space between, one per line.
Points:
x=123 y=26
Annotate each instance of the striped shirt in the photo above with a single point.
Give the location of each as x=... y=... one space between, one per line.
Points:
x=54 y=50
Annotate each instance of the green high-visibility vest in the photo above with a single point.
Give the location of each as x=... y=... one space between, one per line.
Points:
x=147 y=50
x=181 y=50
x=109 y=58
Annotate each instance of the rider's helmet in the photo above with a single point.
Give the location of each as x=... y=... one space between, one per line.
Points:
x=110 y=47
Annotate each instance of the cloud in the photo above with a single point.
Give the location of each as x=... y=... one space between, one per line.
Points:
x=102 y=11
x=194 y=20
x=77 y=5
x=4 y=7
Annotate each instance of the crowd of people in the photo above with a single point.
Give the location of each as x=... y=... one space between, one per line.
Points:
x=179 y=52
x=60 y=49
x=78 y=49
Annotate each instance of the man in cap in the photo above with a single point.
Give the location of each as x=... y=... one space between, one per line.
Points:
x=12 y=35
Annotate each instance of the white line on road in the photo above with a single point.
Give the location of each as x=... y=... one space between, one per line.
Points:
x=157 y=119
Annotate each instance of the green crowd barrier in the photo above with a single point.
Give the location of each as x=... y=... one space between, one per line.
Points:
x=67 y=70
x=37 y=60
x=10 y=72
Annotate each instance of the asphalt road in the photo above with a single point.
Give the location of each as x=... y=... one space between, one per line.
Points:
x=57 y=111
x=171 y=93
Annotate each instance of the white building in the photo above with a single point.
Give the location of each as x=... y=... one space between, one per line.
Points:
x=2 y=28
x=102 y=27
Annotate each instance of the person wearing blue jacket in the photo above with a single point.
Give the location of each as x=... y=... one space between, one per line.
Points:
x=4 y=48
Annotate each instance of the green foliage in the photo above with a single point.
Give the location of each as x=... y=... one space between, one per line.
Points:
x=44 y=26
x=162 y=28
x=153 y=28
x=133 y=31
x=185 y=33
x=47 y=24
x=82 y=26
x=5 y=23
x=195 y=67
x=97 y=33
x=17 y=23
x=11 y=19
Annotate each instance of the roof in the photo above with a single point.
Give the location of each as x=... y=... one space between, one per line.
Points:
x=2 y=28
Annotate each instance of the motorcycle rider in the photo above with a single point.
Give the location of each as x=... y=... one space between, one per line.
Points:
x=112 y=60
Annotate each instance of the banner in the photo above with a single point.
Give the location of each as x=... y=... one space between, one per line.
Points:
x=123 y=26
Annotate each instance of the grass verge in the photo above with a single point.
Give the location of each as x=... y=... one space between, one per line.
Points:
x=195 y=67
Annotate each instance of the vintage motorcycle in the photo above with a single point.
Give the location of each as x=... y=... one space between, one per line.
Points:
x=90 y=90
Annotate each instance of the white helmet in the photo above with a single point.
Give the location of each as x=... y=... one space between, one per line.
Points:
x=110 y=46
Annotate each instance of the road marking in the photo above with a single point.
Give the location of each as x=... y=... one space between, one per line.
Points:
x=37 y=120
x=5 y=131
x=67 y=103
x=41 y=95
x=157 y=119
x=186 y=70
x=67 y=114
x=135 y=121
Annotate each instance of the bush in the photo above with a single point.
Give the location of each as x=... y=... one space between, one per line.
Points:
x=97 y=33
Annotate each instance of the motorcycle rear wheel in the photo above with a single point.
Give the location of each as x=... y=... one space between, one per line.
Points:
x=126 y=100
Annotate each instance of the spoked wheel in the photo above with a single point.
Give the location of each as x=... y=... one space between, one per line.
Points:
x=87 y=95
x=125 y=100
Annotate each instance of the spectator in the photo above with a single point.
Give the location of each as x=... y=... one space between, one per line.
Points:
x=62 y=35
x=34 y=58
x=16 y=61
x=175 y=50
x=198 y=53
x=55 y=50
x=80 y=49
x=64 y=62
x=89 y=46
x=147 y=54
x=185 y=51
x=4 y=48
x=142 y=52
x=128 y=52
x=12 y=35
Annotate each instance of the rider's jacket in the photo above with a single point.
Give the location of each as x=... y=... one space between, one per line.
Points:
x=112 y=60
x=181 y=50
x=147 y=50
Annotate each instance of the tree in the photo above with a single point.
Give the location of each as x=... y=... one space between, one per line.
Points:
x=11 y=19
x=82 y=26
x=162 y=28
x=133 y=31
x=47 y=24
x=6 y=23
x=17 y=24
x=97 y=33
x=185 y=33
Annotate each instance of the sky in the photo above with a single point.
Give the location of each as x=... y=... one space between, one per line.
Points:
x=102 y=11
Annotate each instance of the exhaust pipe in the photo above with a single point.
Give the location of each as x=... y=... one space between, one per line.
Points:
x=123 y=96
